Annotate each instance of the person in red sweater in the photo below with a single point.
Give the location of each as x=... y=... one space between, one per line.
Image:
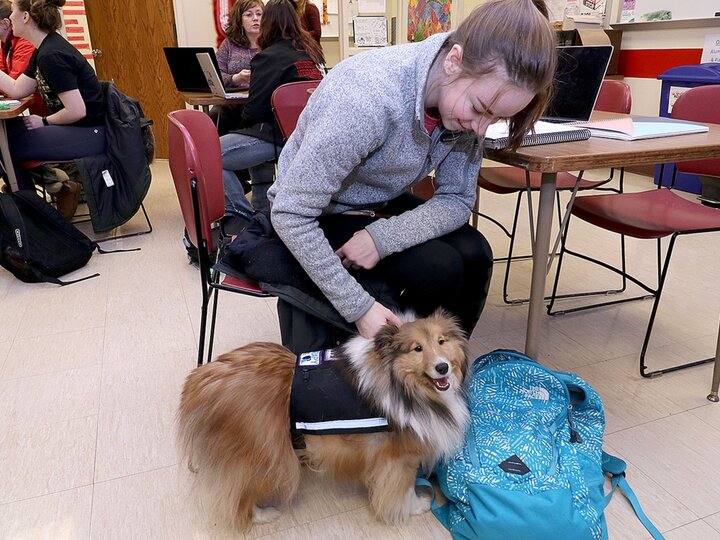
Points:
x=16 y=53
x=309 y=16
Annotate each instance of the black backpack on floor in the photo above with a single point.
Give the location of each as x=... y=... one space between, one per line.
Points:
x=37 y=243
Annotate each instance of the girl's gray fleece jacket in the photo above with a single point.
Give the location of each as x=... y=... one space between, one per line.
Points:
x=360 y=142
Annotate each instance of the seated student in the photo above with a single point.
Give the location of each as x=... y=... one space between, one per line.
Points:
x=287 y=53
x=234 y=56
x=380 y=122
x=70 y=90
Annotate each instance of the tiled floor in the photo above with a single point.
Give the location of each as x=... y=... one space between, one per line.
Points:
x=90 y=376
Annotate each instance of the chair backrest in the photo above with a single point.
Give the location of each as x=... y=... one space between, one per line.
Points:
x=615 y=96
x=699 y=104
x=288 y=101
x=194 y=154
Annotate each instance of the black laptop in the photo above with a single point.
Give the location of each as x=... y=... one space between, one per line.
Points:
x=579 y=76
x=186 y=70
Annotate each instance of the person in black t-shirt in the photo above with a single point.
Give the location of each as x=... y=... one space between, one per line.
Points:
x=69 y=88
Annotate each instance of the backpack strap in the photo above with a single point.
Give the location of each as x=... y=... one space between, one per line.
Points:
x=615 y=467
x=442 y=513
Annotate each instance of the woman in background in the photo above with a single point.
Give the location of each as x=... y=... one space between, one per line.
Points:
x=309 y=16
x=71 y=92
x=287 y=54
x=234 y=56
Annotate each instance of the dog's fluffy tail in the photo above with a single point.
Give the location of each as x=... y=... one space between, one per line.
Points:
x=233 y=429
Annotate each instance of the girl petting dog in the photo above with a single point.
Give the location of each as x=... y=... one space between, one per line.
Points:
x=379 y=123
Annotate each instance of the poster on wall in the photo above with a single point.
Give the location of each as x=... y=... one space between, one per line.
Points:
x=428 y=17
x=370 y=31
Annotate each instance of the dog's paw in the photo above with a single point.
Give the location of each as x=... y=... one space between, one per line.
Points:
x=421 y=504
x=264 y=515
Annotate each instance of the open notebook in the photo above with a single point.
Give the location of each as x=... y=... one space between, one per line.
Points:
x=634 y=129
x=496 y=136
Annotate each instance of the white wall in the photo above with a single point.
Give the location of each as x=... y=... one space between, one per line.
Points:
x=195 y=23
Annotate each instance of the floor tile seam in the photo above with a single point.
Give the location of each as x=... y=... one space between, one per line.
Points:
x=311 y=521
x=99 y=482
x=36 y=424
x=683 y=411
x=44 y=495
x=50 y=372
x=150 y=469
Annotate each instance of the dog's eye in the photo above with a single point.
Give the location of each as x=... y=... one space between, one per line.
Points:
x=441 y=341
x=418 y=348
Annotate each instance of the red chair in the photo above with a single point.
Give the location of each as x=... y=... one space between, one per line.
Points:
x=288 y=101
x=196 y=168
x=654 y=214
x=615 y=96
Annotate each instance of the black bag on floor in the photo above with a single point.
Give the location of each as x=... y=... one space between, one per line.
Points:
x=37 y=243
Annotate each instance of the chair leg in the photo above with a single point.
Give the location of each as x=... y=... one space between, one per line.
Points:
x=216 y=277
x=203 y=323
x=129 y=235
x=651 y=322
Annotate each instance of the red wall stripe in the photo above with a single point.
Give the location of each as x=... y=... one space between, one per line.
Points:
x=74 y=29
x=649 y=63
x=70 y=21
x=74 y=11
x=76 y=38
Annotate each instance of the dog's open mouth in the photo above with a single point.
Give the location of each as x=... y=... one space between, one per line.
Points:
x=441 y=384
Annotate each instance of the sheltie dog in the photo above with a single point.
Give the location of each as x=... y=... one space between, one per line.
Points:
x=234 y=425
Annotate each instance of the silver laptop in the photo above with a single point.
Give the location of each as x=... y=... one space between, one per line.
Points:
x=213 y=79
x=577 y=82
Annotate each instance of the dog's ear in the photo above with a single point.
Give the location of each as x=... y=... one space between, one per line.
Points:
x=385 y=342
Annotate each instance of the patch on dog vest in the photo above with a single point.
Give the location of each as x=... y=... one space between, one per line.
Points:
x=323 y=401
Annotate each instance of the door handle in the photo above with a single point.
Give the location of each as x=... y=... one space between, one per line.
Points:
x=97 y=53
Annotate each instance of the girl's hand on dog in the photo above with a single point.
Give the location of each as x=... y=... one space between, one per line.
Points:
x=359 y=252
x=375 y=318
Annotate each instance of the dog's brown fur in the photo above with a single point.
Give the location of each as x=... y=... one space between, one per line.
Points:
x=234 y=422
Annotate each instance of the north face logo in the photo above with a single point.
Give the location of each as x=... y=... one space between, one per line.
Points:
x=536 y=392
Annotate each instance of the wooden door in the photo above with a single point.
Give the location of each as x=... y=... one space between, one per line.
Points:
x=131 y=35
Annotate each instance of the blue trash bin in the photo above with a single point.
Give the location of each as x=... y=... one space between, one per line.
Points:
x=674 y=82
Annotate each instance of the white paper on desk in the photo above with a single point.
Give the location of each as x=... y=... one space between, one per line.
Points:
x=635 y=129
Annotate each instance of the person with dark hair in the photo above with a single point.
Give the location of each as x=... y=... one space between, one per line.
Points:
x=70 y=90
x=287 y=54
x=377 y=125
x=234 y=56
x=309 y=15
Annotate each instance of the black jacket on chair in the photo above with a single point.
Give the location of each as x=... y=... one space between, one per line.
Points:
x=116 y=182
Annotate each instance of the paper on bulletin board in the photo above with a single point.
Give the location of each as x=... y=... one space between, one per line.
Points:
x=371 y=6
x=370 y=31
x=711 y=50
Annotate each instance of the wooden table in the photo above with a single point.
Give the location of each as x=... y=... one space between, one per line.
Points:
x=7 y=114
x=594 y=153
x=204 y=100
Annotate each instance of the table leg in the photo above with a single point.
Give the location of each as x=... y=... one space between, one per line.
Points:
x=7 y=159
x=540 y=261
x=713 y=396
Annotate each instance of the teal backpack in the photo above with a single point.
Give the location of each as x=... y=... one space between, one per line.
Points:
x=532 y=466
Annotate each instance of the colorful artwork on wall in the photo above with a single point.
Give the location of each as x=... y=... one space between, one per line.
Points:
x=428 y=17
